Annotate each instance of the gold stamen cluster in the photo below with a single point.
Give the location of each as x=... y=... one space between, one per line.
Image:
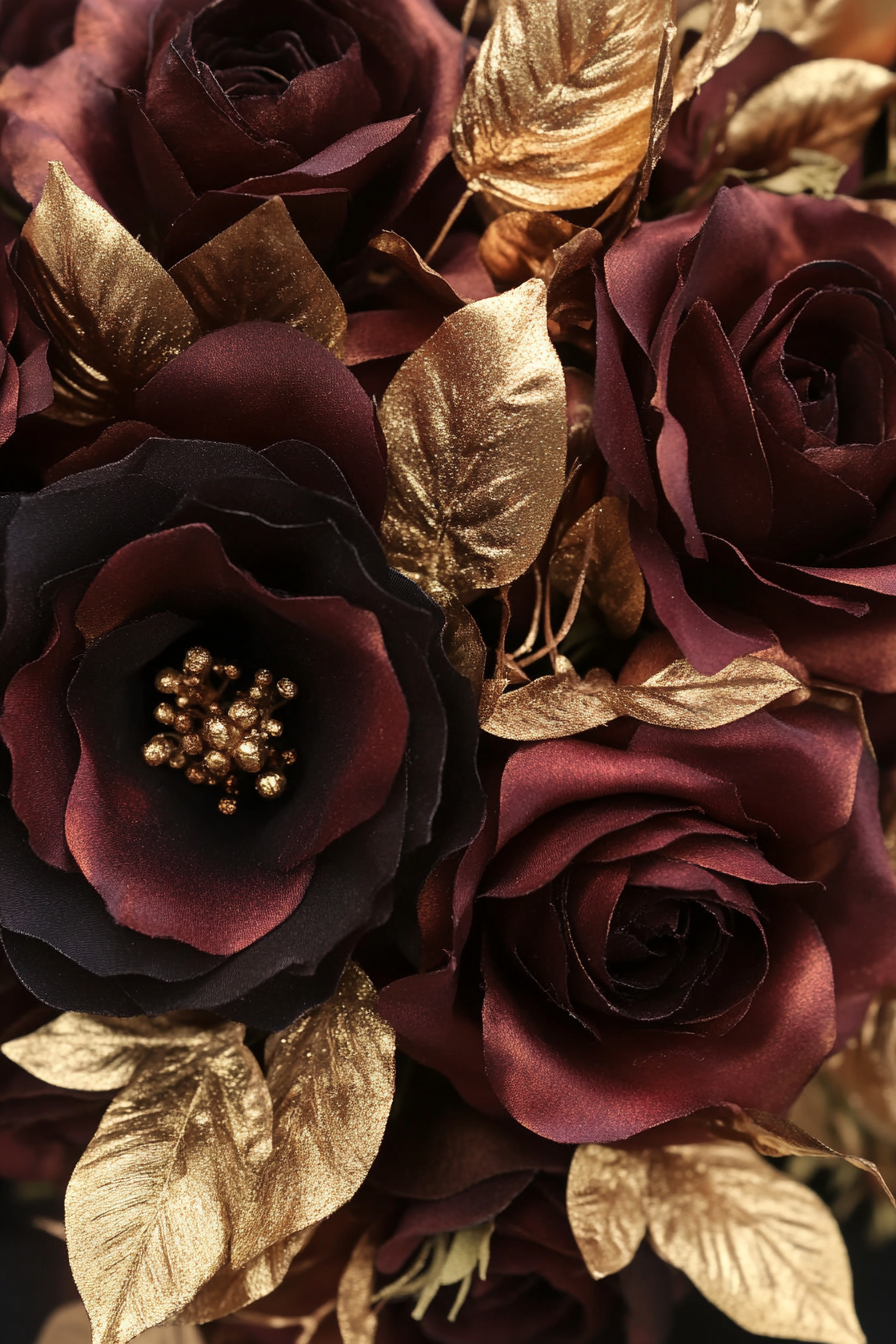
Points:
x=212 y=739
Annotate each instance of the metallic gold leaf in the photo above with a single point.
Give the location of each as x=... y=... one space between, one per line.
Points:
x=260 y=269
x=827 y=106
x=114 y=314
x=773 y=1136
x=232 y=1289
x=519 y=245
x=862 y=29
x=331 y=1077
x=727 y=26
x=354 y=1313
x=71 y=1325
x=462 y=639
x=98 y=1054
x=676 y=697
x=606 y=1202
x=408 y=259
x=613 y=580
x=760 y=1246
x=150 y=1207
x=475 y=422
x=556 y=113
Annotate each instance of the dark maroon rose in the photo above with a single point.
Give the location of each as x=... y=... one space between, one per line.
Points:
x=213 y=108
x=43 y=1129
x=26 y=385
x=745 y=396
x=648 y=927
x=130 y=889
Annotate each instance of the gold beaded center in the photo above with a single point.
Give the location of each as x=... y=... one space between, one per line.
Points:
x=213 y=739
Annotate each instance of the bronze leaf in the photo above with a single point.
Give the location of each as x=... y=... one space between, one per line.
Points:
x=115 y=315
x=730 y=25
x=613 y=580
x=519 y=245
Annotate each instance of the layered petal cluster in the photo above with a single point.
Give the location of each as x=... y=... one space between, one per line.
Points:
x=126 y=889
x=650 y=926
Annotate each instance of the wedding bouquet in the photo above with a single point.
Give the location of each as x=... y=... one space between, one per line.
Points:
x=448 y=660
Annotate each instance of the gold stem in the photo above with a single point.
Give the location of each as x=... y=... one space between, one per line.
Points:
x=452 y=218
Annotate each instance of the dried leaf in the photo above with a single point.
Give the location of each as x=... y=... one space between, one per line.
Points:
x=676 y=697
x=556 y=113
x=260 y=269
x=354 y=1313
x=114 y=314
x=758 y=1245
x=231 y=1289
x=613 y=581
x=98 y=1054
x=475 y=423
x=827 y=106
x=519 y=245
x=409 y=260
x=772 y=1136
x=728 y=26
x=606 y=1202
x=150 y=1207
x=811 y=171
x=331 y=1077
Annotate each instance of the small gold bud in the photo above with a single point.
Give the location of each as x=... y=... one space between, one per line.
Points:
x=255 y=692
x=157 y=750
x=220 y=734
x=273 y=726
x=232 y=672
x=288 y=757
x=288 y=689
x=183 y=723
x=196 y=775
x=182 y=701
x=192 y=744
x=248 y=756
x=168 y=681
x=198 y=661
x=227 y=806
x=243 y=713
x=271 y=784
x=177 y=761
x=263 y=677
x=217 y=763
x=164 y=713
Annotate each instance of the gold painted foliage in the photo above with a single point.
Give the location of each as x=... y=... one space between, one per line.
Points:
x=475 y=424
x=557 y=110
x=760 y=1246
x=205 y=1177
x=116 y=316
x=676 y=697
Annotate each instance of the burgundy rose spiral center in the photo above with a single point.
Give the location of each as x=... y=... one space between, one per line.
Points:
x=251 y=53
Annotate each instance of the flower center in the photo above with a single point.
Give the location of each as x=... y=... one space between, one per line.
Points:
x=212 y=738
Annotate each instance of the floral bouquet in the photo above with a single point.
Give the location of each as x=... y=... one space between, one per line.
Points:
x=448 y=660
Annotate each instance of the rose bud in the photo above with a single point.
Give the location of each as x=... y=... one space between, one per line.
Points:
x=647 y=927
x=342 y=110
x=234 y=736
x=746 y=397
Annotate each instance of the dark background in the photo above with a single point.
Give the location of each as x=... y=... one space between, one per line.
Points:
x=34 y=1278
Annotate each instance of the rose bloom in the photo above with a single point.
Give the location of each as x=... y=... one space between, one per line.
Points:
x=127 y=889
x=443 y=1168
x=745 y=397
x=199 y=112
x=654 y=922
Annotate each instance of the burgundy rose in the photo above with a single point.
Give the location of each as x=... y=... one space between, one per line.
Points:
x=26 y=385
x=33 y=31
x=648 y=927
x=446 y=1168
x=213 y=108
x=126 y=888
x=745 y=396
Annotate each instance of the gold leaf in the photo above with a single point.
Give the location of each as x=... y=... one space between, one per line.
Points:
x=260 y=269
x=613 y=580
x=408 y=259
x=71 y=1325
x=676 y=697
x=475 y=422
x=463 y=641
x=606 y=1202
x=556 y=113
x=92 y=1054
x=863 y=29
x=115 y=315
x=232 y=1289
x=728 y=26
x=331 y=1077
x=827 y=106
x=354 y=1314
x=150 y=1207
x=810 y=171
x=758 y=1245
x=519 y=245
x=773 y=1136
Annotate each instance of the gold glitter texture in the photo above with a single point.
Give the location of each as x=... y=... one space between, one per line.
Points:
x=557 y=110
x=760 y=1246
